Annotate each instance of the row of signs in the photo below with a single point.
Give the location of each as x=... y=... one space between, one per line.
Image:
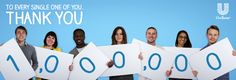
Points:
x=91 y=62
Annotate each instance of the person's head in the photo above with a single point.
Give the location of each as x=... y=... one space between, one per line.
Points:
x=213 y=33
x=182 y=39
x=79 y=36
x=21 y=33
x=151 y=35
x=119 y=36
x=51 y=39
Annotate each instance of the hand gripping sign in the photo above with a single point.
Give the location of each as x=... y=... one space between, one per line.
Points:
x=14 y=65
x=156 y=61
x=53 y=64
x=214 y=60
x=181 y=68
x=125 y=59
x=89 y=64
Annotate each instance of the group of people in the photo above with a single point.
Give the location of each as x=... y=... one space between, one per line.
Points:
x=118 y=37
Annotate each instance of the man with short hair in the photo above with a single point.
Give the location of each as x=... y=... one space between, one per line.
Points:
x=79 y=37
x=151 y=36
x=212 y=34
x=27 y=49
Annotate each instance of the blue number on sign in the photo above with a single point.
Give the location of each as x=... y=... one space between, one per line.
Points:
x=123 y=59
x=217 y=58
x=13 y=61
x=185 y=60
x=87 y=71
x=159 y=62
x=55 y=67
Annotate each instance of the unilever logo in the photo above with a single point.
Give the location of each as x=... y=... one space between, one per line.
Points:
x=222 y=10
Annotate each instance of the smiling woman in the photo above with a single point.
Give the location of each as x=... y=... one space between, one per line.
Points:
x=50 y=41
x=182 y=39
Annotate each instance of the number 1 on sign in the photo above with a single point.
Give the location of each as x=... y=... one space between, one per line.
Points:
x=13 y=61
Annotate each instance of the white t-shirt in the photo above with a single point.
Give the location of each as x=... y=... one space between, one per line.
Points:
x=80 y=49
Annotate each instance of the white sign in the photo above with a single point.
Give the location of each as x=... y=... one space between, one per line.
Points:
x=143 y=48
x=0 y=61
x=53 y=64
x=14 y=65
x=181 y=68
x=89 y=64
x=125 y=59
x=214 y=60
x=156 y=61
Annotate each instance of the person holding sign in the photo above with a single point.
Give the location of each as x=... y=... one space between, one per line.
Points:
x=212 y=34
x=79 y=37
x=28 y=50
x=50 y=42
x=119 y=37
x=182 y=41
x=151 y=36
